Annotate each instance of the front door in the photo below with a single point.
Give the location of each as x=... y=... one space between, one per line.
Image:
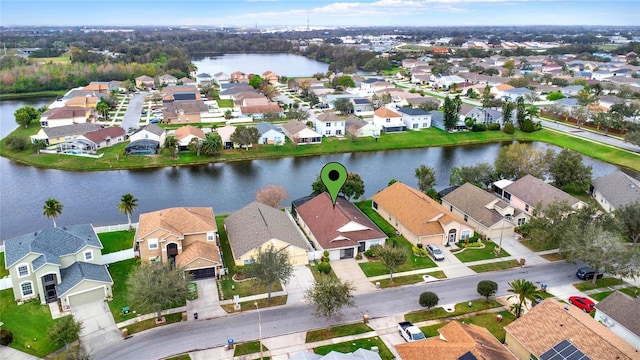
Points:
x=361 y=246
x=172 y=252
x=49 y=284
x=452 y=235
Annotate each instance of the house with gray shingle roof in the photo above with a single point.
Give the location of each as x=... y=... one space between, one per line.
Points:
x=269 y=134
x=60 y=134
x=615 y=190
x=619 y=312
x=61 y=264
x=256 y=226
x=150 y=132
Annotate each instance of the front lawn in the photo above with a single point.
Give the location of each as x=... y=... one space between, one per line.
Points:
x=631 y=291
x=552 y=257
x=600 y=283
x=499 y=265
x=351 y=346
x=376 y=268
x=601 y=295
x=460 y=308
x=474 y=254
x=139 y=326
x=432 y=330
x=539 y=245
x=337 y=331
x=489 y=322
x=410 y=279
x=116 y=240
x=29 y=324
x=251 y=305
x=119 y=272
x=249 y=347
x=243 y=288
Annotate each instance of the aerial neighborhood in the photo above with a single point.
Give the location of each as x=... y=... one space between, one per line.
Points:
x=529 y=257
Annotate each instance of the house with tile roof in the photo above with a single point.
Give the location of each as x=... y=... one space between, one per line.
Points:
x=388 y=121
x=186 y=81
x=225 y=133
x=615 y=190
x=103 y=138
x=618 y=312
x=457 y=341
x=221 y=78
x=167 y=79
x=239 y=77
x=99 y=87
x=488 y=214
x=419 y=218
x=257 y=112
x=552 y=324
x=184 y=111
x=354 y=126
x=88 y=101
x=343 y=230
x=300 y=133
x=145 y=82
x=269 y=134
x=515 y=93
x=184 y=236
x=485 y=116
x=62 y=264
x=529 y=193
x=67 y=115
x=257 y=226
x=185 y=134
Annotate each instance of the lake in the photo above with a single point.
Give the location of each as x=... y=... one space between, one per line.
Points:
x=283 y=64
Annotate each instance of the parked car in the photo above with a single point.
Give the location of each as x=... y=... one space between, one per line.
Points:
x=536 y=301
x=154 y=121
x=410 y=332
x=583 y=303
x=143 y=112
x=435 y=252
x=587 y=273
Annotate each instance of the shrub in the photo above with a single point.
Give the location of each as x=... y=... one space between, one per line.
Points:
x=359 y=256
x=6 y=337
x=509 y=129
x=325 y=253
x=372 y=251
x=428 y=299
x=420 y=246
x=494 y=126
x=478 y=127
x=419 y=252
x=324 y=267
x=527 y=126
x=16 y=143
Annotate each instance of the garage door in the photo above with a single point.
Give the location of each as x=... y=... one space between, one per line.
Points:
x=203 y=273
x=87 y=297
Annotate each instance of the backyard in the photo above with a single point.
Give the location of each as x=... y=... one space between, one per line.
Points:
x=116 y=241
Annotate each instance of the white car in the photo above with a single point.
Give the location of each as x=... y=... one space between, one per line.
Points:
x=435 y=251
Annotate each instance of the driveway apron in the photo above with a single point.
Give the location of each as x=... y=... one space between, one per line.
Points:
x=301 y=280
x=207 y=305
x=99 y=329
x=348 y=269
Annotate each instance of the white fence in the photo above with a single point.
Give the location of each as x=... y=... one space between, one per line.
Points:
x=5 y=283
x=110 y=228
x=314 y=255
x=117 y=256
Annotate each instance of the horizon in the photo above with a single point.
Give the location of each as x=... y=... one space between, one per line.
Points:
x=321 y=13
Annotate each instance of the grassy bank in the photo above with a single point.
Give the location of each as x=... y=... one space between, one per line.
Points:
x=113 y=158
x=29 y=95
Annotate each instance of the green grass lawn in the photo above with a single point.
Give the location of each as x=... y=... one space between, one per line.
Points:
x=489 y=322
x=27 y=322
x=600 y=283
x=249 y=347
x=116 y=241
x=224 y=104
x=119 y=272
x=3 y=272
x=539 y=245
x=601 y=295
x=251 y=305
x=151 y=323
x=243 y=288
x=410 y=279
x=499 y=265
x=227 y=255
x=475 y=254
x=180 y=357
x=351 y=346
x=460 y=308
x=317 y=274
x=337 y=331
x=432 y=330
x=552 y=257
x=632 y=291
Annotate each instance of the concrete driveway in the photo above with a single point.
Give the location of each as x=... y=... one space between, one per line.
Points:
x=207 y=305
x=99 y=329
x=301 y=280
x=348 y=270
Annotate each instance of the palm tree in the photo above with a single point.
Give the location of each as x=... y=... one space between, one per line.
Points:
x=212 y=144
x=128 y=203
x=52 y=209
x=533 y=112
x=171 y=144
x=523 y=290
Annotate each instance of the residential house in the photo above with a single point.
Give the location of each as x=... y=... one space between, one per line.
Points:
x=271 y=77
x=516 y=93
x=221 y=78
x=62 y=264
x=67 y=115
x=615 y=190
x=300 y=133
x=187 y=81
x=601 y=75
x=150 y=132
x=445 y=81
x=249 y=98
x=608 y=101
x=186 y=134
x=618 y=312
x=388 y=121
x=486 y=213
x=167 y=79
x=419 y=218
x=354 y=126
x=269 y=134
x=88 y=101
x=225 y=133
x=485 y=116
x=415 y=119
x=499 y=90
x=184 y=111
x=239 y=77
x=230 y=90
x=60 y=134
x=257 y=226
x=145 y=82
x=186 y=237
x=571 y=90
x=204 y=79
x=552 y=328
x=457 y=341
x=529 y=193
x=257 y=112
x=361 y=105
x=104 y=137
x=415 y=102
x=99 y=87
x=342 y=230
x=330 y=124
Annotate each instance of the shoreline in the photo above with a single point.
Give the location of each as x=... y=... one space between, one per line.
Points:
x=31 y=95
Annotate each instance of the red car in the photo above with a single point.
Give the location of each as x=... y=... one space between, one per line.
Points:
x=583 y=303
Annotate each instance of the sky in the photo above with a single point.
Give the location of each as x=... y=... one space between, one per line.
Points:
x=267 y=13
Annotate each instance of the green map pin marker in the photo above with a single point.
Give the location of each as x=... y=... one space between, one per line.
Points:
x=333 y=176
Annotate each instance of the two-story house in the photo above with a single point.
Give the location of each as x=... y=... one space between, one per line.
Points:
x=330 y=124
x=415 y=119
x=388 y=121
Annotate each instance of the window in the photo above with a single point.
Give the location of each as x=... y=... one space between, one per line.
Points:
x=327 y=132
x=88 y=255
x=248 y=261
x=328 y=124
x=465 y=234
x=153 y=244
x=375 y=205
x=466 y=218
x=23 y=270
x=415 y=126
x=526 y=207
x=210 y=236
x=388 y=120
x=425 y=125
x=338 y=132
x=521 y=221
x=26 y=288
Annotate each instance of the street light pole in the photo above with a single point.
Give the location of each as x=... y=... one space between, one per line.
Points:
x=259 y=330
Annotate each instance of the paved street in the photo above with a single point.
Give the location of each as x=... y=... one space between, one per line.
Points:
x=131 y=117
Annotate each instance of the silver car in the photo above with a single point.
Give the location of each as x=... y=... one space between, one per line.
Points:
x=435 y=251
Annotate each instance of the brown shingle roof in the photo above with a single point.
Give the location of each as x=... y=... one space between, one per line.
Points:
x=185 y=131
x=198 y=250
x=534 y=191
x=326 y=222
x=416 y=211
x=105 y=133
x=455 y=340
x=261 y=109
x=177 y=221
x=67 y=112
x=550 y=322
x=623 y=309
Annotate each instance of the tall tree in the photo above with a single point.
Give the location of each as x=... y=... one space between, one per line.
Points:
x=152 y=287
x=567 y=168
x=522 y=290
x=128 y=204
x=486 y=97
x=329 y=295
x=272 y=195
x=521 y=111
x=517 y=160
x=510 y=67
x=245 y=136
x=426 y=177
x=353 y=187
x=195 y=145
x=212 y=144
x=628 y=219
x=532 y=112
x=392 y=257
x=451 y=111
x=25 y=115
x=487 y=288
x=270 y=265
x=171 y=144
x=52 y=209
x=585 y=99
x=65 y=331
x=343 y=105
x=479 y=175
x=256 y=81
x=507 y=112
x=103 y=106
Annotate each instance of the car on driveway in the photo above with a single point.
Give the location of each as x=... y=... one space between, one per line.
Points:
x=587 y=273
x=583 y=303
x=435 y=252
x=154 y=121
